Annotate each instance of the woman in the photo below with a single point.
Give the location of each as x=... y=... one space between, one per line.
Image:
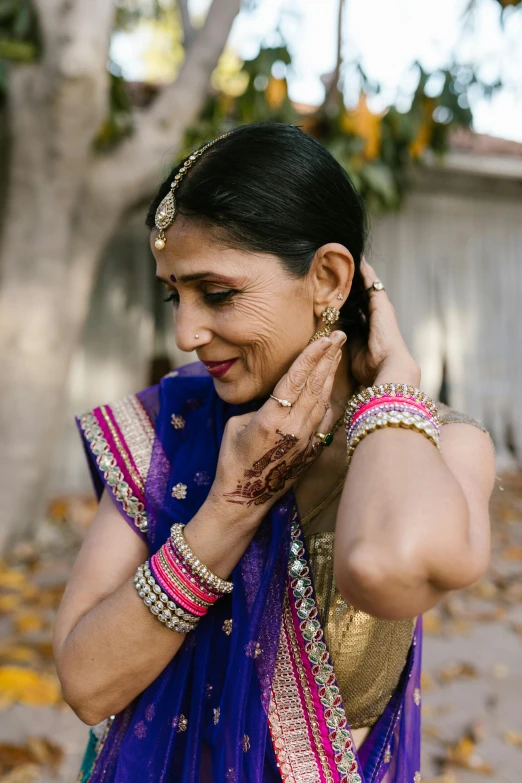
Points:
x=284 y=632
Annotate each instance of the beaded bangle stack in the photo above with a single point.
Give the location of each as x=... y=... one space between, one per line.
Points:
x=390 y=405
x=176 y=586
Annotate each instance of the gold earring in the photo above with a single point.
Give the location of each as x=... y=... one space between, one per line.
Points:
x=329 y=316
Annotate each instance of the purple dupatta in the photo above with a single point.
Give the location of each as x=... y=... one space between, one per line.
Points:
x=251 y=696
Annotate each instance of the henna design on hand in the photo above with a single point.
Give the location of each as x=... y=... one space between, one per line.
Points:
x=264 y=489
x=284 y=445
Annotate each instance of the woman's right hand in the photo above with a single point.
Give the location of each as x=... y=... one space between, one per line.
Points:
x=263 y=453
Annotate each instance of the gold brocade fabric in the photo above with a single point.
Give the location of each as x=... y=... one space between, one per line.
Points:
x=368 y=654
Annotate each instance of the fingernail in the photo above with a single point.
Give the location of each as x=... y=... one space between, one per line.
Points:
x=325 y=342
x=338 y=338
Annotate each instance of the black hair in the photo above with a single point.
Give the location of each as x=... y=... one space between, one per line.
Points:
x=271 y=188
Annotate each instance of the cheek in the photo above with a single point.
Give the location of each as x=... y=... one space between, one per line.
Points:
x=270 y=338
x=254 y=325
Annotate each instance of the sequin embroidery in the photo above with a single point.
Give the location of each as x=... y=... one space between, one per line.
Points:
x=179 y=491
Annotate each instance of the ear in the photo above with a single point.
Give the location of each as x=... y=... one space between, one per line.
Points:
x=332 y=273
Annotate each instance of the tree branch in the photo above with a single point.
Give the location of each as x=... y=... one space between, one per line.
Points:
x=71 y=83
x=333 y=89
x=188 y=28
x=131 y=172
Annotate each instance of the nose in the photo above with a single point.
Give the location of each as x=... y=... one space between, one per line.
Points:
x=191 y=331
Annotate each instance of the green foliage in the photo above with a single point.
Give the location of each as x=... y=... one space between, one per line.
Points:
x=19 y=33
x=377 y=151
x=130 y=12
x=264 y=99
x=120 y=121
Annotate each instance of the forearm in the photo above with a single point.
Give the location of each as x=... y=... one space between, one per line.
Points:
x=402 y=526
x=118 y=647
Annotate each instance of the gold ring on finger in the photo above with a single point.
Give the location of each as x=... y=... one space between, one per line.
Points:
x=326 y=439
x=283 y=403
x=376 y=286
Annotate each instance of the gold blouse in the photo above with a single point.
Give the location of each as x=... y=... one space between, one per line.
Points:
x=368 y=654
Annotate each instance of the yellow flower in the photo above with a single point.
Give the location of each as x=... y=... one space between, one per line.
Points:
x=365 y=124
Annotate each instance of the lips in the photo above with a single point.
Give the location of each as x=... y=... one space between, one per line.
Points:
x=220 y=368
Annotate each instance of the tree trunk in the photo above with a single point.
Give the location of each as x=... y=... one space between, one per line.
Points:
x=62 y=207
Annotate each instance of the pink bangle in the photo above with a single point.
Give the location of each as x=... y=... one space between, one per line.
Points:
x=190 y=584
x=194 y=578
x=388 y=400
x=403 y=406
x=173 y=592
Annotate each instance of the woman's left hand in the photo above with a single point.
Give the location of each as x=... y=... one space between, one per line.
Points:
x=385 y=358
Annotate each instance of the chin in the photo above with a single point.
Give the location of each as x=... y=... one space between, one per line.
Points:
x=238 y=393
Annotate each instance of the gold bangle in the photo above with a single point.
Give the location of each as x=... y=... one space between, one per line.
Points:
x=398 y=390
x=194 y=565
x=180 y=585
x=167 y=611
x=416 y=423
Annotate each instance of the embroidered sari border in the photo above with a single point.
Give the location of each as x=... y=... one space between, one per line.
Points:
x=289 y=731
x=113 y=443
x=137 y=431
x=316 y=700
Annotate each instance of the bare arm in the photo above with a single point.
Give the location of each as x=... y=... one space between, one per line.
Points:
x=413 y=522
x=108 y=647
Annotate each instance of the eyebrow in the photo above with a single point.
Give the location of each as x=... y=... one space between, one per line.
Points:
x=198 y=276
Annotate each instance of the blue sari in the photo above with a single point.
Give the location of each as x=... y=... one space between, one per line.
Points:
x=251 y=696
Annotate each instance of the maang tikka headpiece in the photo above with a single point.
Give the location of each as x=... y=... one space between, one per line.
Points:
x=166 y=212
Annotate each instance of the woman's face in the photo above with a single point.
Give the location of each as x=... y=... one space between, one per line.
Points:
x=252 y=317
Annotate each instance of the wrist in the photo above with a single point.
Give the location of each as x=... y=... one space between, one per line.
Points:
x=399 y=370
x=232 y=516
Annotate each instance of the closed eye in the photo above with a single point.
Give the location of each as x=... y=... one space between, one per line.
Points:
x=216 y=297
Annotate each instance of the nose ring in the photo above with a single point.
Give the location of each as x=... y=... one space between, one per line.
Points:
x=196 y=337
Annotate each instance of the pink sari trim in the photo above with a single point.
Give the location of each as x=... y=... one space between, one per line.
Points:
x=107 y=431
x=310 y=733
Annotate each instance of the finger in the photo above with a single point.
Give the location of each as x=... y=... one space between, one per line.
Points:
x=369 y=275
x=294 y=381
x=313 y=389
x=321 y=420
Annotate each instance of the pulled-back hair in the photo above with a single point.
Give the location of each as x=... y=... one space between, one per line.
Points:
x=271 y=188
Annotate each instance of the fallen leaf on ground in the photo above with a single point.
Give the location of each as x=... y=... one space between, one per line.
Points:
x=446 y=777
x=455 y=671
x=18 y=654
x=431 y=623
x=23 y=763
x=485 y=589
x=29 y=622
x=11 y=578
x=464 y=754
x=500 y=671
x=8 y=603
x=45 y=649
x=27 y=773
x=45 y=752
x=431 y=731
x=512 y=553
x=512 y=738
x=13 y=756
x=50 y=597
x=27 y=687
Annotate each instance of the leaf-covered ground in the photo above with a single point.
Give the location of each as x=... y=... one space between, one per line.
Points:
x=472 y=681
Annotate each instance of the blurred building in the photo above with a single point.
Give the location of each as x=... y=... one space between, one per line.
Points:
x=451 y=261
